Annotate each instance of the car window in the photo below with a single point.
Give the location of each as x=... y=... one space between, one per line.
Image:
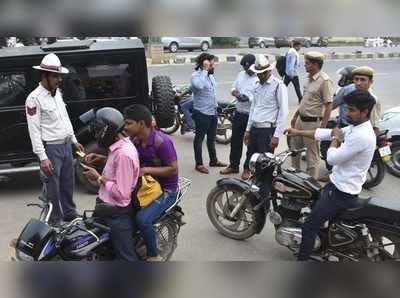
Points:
x=95 y=81
x=13 y=89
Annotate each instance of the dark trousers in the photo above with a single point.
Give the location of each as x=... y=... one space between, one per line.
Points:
x=260 y=140
x=59 y=186
x=122 y=228
x=238 y=130
x=296 y=84
x=205 y=125
x=324 y=146
x=332 y=202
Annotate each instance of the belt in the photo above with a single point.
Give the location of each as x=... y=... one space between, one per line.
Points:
x=263 y=125
x=58 y=142
x=310 y=119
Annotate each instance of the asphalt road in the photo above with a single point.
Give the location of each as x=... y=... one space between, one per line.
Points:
x=273 y=50
x=198 y=240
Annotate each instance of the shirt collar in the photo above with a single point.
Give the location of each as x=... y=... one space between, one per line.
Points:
x=118 y=144
x=150 y=140
x=42 y=89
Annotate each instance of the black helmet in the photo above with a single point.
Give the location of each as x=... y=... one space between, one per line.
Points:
x=346 y=75
x=107 y=124
x=248 y=60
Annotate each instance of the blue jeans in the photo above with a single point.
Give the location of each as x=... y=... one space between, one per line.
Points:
x=187 y=109
x=146 y=217
x=332 y=202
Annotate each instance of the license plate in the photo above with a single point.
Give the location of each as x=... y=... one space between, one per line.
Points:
x=385 y=152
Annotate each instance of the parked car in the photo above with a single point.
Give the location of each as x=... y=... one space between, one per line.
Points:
x=390 y=120
x=319 y=41
x=285 y=41
x=102 y=74
x=262 y=42
x=188 y=43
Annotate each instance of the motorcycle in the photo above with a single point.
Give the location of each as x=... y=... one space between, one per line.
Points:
x=238 y=210
x=225 y=112
x=87 y=239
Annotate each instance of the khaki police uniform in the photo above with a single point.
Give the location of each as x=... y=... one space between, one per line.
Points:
x=318 y=91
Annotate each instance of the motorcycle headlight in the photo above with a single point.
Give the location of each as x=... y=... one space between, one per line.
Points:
x=253 y=162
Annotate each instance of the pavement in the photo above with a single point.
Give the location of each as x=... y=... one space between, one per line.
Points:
x=233 y=55
x=198 y=240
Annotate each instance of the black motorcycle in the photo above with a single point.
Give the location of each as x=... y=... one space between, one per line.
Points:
x=238 y=210
x=87 y=239
x=225 y=112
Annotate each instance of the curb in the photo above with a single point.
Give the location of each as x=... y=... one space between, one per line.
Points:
x=224 y=58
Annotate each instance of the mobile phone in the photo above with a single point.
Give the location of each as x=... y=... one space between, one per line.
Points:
x=80 y=154
x=84 y=166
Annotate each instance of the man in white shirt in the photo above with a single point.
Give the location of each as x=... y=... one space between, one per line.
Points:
x=350 y=154
x=52 y=137
x=268 y=111
x=242 y=90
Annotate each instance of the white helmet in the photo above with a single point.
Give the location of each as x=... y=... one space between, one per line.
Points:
x=51 y=63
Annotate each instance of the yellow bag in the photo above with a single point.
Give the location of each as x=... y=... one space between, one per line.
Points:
x=149 y=190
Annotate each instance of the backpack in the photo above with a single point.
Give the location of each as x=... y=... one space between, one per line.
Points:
x=281 y=65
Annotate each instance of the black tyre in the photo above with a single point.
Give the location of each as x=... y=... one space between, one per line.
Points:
x=393 y=165
x=307 y=43
x=174 y=128
x=262 y=45
x=224 y=130
x=390 y=249
x=220 y=203
x=173 y=47
x=204 y=46
x=163 y=101
x=89 y=186
x=375 y=174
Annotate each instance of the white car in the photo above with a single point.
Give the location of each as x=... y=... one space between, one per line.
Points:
x=189 y=43
x=390 y=120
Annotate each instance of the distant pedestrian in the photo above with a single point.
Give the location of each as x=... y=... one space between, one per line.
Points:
x=293 y=67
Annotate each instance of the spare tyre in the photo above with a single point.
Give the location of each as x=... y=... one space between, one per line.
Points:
x=163 y=101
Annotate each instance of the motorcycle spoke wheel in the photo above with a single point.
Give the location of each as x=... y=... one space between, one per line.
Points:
x=224 y=130
x=166 y=239
x=390 y=249
x=238 y=227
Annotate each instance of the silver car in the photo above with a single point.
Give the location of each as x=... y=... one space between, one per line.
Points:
x=189 y=43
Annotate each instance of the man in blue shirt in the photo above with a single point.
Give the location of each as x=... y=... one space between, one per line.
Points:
x=292 y=68
x=205 y=105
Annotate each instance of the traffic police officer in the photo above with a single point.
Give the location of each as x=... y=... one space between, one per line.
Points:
x=52 y=138
x=314 y=110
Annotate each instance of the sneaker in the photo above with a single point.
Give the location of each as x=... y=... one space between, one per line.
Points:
x=154 y=259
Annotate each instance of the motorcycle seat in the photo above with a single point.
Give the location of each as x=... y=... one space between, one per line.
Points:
x=384 y=209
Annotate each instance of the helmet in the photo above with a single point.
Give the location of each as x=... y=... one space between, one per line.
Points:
x=346 y=75
x=248 y=60
x=107 y=124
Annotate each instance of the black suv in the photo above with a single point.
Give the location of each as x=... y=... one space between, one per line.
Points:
x=107 y=73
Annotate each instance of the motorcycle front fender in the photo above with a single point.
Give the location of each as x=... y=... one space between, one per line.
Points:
x=254 y=198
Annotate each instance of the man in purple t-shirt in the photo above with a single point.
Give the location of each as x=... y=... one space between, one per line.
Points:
x=157 y=158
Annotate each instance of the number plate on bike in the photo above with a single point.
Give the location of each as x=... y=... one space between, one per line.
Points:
x=385 y=152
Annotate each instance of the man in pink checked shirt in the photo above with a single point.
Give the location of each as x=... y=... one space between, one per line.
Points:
x=118 y=179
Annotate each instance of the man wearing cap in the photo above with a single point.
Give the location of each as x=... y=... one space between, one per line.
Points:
x=362 y=80
x=52 y=137
x=242 y=90
x=314 y=110
x=268 y=111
